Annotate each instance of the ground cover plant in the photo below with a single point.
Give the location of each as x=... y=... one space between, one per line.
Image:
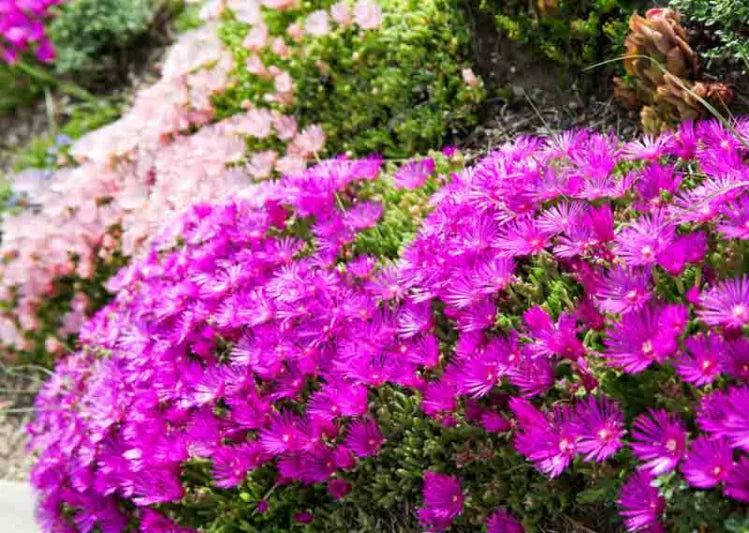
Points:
x=392 y=77
x=561 y=342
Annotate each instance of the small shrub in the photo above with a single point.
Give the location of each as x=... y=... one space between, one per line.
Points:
x=396 y=88
x=725 y=21
x=91 y=35
x=573 y=33
x=561 y=344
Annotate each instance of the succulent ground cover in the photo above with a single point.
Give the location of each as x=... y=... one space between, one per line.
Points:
x=575 y=354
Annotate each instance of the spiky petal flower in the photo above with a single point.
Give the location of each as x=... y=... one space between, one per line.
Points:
x=413 y=174
x=660 y=439
x=702 y=361
x=600 y=424
x=640 y=502
x=709 y=462
x=737 y=482
x=624 y=290
x=641 y=338
x=364 y=438
x=503 y=522
x=443 y=501
x=726 y=414
x=727 y=304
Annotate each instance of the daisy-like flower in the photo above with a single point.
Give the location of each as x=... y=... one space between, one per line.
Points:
x=726 y=414
x=443 y=501
x=726 y=304
x=708 y=462
x=703 y=359
x=624 y=290
x=640 y=339
x=364 y=438
x=521 y=237
x=503 y=522
x=413 y=174
x=646 y=148
x=737 y=359
x=659 y=439
x=640 y=502
x=735 y=221
x=338 y=488
x=737 y=482
x=600 y=425
x=641 y=242
x=653 y=180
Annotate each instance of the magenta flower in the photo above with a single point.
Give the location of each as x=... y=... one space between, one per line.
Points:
x=600 y=425
x=443 y=501
x=550 y=442
x=338 y=488
x=640 y=502
x=643 y=241
x=725 y=414
x=364 y=438
x=503 y=522
x=702 y=361
x=659 y=439
x=737 y=359
x=642 y=338
x=708 y=462
x=520 y=238
x=727 y=303
x=283 y=435
x=735 y=222
x=737 y=482
x=624 y=290
x=304 y=517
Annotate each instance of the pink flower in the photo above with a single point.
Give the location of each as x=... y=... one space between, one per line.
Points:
x=317 y=24
x=341 y=13
x=338 y=488
x=443 y=501
x=367 y=14
x=257 y=38
x=470 y=78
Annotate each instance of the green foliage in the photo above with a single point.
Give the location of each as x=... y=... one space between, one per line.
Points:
x=397 y=89
x=725 y=21
x=90 y=35
x=17 y=88
x=573 y=33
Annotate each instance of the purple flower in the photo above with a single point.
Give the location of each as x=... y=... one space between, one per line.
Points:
x=708 y=462
x=640 y=502
x=364 y=438
x=659 y=439
x=737 y=359
x=624 y=290
x=725 y=414
x=551 y=442
x=735 y=222
x=737 y=482
x=726 y=304
x=643 y=241
x=304 y=517
x=600 y=426
x=520 y=238
x=702 y=361
x=642 y=338
x=443 y=501
x=338 y=488
x=503 y=522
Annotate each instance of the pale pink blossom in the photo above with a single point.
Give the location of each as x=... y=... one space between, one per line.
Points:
x=261 y=164
x=283 y=82
x=257 y=37
x=281 y=5
x=368 y=14
x=470 y=78
x=317 y=24
x=291 y=164
x=341 y=13
x=285 y=127
x=255 y=65
x=280 y=48
x=295 y=31
x=247 y=11
x=309 y=141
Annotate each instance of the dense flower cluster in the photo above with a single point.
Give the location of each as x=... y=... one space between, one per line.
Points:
x=547 y=279
x=135 y=175
x=22 y=28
